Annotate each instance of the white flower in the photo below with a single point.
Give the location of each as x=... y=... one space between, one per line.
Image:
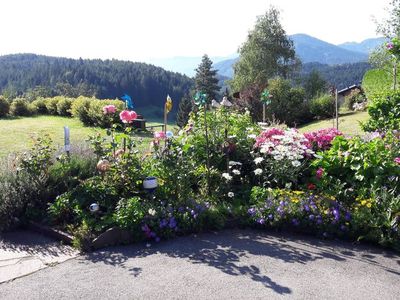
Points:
x=258 y=171
x=152 y=212
x=278 y=157
x=296 y=163
x=252 y=136
x=236 y=172
x=231 y=194
x=258 y=160
x=227 y=176
x=264 y=149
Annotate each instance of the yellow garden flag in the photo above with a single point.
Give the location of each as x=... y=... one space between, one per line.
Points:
x=168 y=104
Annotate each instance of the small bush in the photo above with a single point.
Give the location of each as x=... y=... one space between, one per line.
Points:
x=80 y=108
x=64 y=107
x=40 y=106
x=20 y=107
x=323 y=106
x=4 y=107
x=51 y=105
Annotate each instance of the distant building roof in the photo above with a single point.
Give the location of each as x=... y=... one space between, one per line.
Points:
x=350 y=88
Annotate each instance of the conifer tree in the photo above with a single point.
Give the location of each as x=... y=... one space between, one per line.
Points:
x=206 y=79
x=185 y=107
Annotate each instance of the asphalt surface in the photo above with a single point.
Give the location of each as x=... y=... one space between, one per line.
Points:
x=231 y=264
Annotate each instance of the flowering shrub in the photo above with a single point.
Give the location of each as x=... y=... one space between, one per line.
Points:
x=321 y=140
x=393 y=47
x=355 y=166
x=298 y=209
x=281 y=156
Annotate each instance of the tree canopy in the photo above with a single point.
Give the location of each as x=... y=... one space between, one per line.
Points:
x=268 y=52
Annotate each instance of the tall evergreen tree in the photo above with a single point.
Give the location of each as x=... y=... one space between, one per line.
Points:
x=185 y=107
x=206 y=79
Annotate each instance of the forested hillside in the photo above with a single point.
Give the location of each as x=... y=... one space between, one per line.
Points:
x=32 y=75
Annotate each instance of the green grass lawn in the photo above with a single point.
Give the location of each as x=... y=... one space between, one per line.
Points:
x=348 y=123
x=16 y=133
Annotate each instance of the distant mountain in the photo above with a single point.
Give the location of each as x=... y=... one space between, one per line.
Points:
x=311 y=49
x=225 y=67
x=365 y=46
x=184 y=64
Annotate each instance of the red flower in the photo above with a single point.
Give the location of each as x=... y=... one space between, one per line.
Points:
x=311 y=186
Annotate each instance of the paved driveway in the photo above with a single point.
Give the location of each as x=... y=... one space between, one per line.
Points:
x=231 y=264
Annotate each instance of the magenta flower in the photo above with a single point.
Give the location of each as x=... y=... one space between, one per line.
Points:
x=389 y=46
x=397 y=160
x=127 y=116
x=109 y=109
x=320 y=173
x=160 y=135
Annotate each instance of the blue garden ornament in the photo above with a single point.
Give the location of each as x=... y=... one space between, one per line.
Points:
x=128 y=101
x=200 y=99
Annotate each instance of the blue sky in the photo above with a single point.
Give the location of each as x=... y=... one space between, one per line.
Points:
x=144 y=29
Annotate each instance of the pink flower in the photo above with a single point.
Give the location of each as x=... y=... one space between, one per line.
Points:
x=159 y=135
x=389 y=46
x=127 y=116
x=109 y=109
x=322 y=139
x=397 y=160
x=319 y=173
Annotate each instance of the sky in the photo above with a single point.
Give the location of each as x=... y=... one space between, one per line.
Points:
x=139 y=30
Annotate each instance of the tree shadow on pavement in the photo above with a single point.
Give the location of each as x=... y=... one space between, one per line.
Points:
x=33 y=243
x=229 y=252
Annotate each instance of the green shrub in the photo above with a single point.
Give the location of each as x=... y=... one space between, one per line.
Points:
x=4 y=107
x=323 y=106
x=20 y=107
x=80 y=108
x=51 y=105
x=23 y=188
x=64 y=107
x=357 y=166
x=384 y=111
x=40 y=105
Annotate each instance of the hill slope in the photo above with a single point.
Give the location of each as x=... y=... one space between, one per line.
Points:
x=146 y=84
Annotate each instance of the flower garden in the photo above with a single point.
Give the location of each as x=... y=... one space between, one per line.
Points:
x=221 y=170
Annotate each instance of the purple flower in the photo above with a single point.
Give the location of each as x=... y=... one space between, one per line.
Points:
x=163 y=223
x=311 y=217
x=319 y=220
x=397 y=160
x=306 y=207
x=172 y=223
x=181 y=209
x=336 y=214
x=295 y=222
x=270 y=216
x=261 y=221
x=251 y=211
x=153 y=234
x=343 y=228
x=145 y=228
x=347 y=216
x=389 y=46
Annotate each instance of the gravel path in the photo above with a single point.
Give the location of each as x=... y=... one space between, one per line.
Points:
x=231 y=264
